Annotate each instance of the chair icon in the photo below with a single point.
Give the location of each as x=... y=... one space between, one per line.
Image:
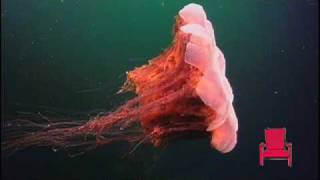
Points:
x=276 y=146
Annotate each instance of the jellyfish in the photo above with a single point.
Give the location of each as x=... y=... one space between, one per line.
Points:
x=181 y=93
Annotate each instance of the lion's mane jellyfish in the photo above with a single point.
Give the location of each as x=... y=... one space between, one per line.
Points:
x=181 y=93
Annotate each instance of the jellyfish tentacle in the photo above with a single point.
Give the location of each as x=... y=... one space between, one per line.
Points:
x=182 y=92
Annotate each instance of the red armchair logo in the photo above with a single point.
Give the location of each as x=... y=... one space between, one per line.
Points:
x=276 y=146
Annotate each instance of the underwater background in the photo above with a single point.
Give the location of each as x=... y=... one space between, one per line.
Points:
x=69 y=58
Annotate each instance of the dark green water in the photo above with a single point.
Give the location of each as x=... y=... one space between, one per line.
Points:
x=70 y=57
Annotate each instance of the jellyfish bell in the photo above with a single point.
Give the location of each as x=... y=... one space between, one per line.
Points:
x=213 y=88
x=183 y=91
